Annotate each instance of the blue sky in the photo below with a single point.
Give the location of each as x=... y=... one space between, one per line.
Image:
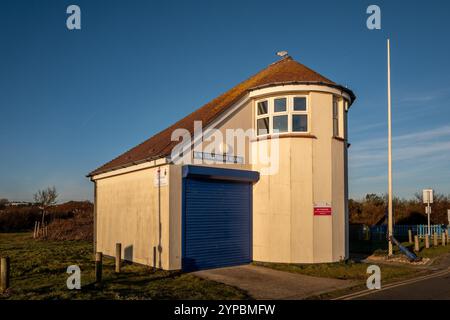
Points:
x=72 y=100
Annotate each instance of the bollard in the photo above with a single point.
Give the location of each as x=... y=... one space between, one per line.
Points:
x=98 y=267
x=416 y=243
x=427 y=241
x=118 y=256
x=4 y=274
x=443 y=239
x=446 y=236
x=435 y=239
x=410 y=236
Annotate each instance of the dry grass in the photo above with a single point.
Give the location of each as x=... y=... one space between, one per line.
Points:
x=78 y=224
x=68 y=221
x=79 y=227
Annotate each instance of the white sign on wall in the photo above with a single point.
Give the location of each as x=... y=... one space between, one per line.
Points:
x=161 y=178
x=218 y=157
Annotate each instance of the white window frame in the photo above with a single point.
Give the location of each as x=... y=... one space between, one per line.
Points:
x=296 y=112
x=281 y=113
x=290 y=112
x=261 y=116
x=336 y=117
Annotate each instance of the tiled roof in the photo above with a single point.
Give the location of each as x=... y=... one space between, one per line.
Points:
x=285 y=71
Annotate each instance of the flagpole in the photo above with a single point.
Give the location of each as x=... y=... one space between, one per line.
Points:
x=390 y=222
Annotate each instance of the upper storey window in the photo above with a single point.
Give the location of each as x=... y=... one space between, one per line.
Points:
x=280 y=105
x=335 y=117
x=282 y=115
x=280 y=118
x=263 y=107
x=299 y=103
x=262 y=117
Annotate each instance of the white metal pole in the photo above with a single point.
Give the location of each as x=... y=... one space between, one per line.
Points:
x=390 y=224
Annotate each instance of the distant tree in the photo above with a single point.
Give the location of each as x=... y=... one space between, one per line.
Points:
x=45 y=198
x=3 y=203
x=375 y=199
x=372 y=209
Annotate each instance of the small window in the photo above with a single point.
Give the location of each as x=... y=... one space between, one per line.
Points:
x=300 y=123
x=299 y=104
x=335 y=118
x=280 y=124
x=263 y=126
x=263 y=107
x=280 y=105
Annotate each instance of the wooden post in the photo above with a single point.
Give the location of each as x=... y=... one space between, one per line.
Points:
x=118 y=256
x=98 y=267
x=446 y=236
x=35 y=229
x=4 y=274
x=443 y=239
x=427 y=241
x=416 y=243
x=435 y=239
x=38 y=229
x=410 y=238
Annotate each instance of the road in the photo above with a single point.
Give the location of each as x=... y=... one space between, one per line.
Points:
x=434 y=286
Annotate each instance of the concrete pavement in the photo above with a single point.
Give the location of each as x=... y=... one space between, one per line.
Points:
x=264 y=283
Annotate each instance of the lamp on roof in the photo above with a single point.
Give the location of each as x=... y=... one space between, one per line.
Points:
x=282 y=54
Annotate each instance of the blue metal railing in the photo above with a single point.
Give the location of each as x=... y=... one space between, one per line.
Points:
x=422 y=230
x=379 y=233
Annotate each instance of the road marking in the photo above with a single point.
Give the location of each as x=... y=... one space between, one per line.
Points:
x=392 y=285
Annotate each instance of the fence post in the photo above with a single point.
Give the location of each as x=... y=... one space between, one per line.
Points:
x=4 y=274
x=410 y=239
x=427 y=241
x=98 y=267
x=435 y=239
x=416 y=243
x=118 y=256
x=35 y=230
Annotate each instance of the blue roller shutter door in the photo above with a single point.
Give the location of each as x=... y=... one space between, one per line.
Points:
x=217 y=230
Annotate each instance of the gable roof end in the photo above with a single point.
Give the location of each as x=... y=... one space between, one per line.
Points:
x=284 y=71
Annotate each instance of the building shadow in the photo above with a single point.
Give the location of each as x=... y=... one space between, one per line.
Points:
x=128 y=253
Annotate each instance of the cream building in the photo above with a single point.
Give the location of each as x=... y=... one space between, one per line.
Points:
x=185 y=199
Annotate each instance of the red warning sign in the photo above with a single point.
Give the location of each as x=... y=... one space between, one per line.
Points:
x=322 y=211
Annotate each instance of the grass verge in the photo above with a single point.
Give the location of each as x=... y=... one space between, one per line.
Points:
x=38 y=272
x=345 y=270
x=431 y=253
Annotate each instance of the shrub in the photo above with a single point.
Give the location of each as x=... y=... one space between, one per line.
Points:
x=68 y=221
